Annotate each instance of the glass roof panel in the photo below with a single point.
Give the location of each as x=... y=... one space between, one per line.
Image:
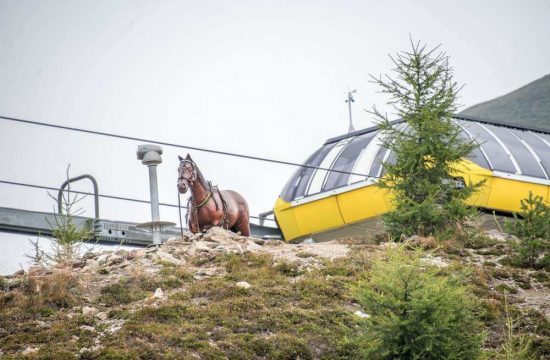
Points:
x=539 y=147
x=346 y=161
x=297 y=185
x=319 y=176
x=376 y=168
x=496 y=153
x=476 y=156
x=525 y=160
x=366 y=159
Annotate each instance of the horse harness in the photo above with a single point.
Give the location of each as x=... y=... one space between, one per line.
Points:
x=210 y=196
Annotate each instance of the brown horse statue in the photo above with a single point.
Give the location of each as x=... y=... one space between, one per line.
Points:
x=208 y=206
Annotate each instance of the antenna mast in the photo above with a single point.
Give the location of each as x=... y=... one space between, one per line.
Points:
x=349 y=100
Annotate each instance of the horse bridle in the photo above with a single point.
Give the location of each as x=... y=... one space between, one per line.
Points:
x=193 y=176
x=191 y=180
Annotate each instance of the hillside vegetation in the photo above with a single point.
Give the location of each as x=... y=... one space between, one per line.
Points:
x=219 y=296
x=527 y=106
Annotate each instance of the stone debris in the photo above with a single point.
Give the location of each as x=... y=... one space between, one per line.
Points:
x=87 y=328
x=89 y=311
x=436 y=261
x=361 y=314
x=114 y=259
x=29 y=350
x=243 y=285
x=158 y=294
x=102 y=259
x=497 y=235
x=102 y=315
x=164 y=256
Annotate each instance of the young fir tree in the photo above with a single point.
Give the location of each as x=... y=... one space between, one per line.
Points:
x=427 y=145
x=533 y=230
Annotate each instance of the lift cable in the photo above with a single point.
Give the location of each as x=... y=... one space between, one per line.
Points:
x=102 y=195
x=132 y=138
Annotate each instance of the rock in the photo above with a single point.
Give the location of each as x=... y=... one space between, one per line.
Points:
x=29 y=350
x=91 y=265
x=121 y=252
x=494 y=234
x=218 y=231
x=202 y=246
x=136 y=253
x=102 y=259
x=259 y=241
x=204 y=272
x=78 y=263
x=361 y=314
x=115 y=325
x=89 y=311
x=435 y=261
x=102 y=316
x=87 y=328
x=164 y=256
x=114 y=259
x=236 y=249
x=219 y=248
x=88 y=255
x=243 y=285
x=158 y=294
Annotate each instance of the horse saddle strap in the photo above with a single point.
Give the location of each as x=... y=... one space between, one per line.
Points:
x=204 y=202
x=224 y=207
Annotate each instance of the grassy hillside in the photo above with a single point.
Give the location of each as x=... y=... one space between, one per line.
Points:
x=526 y=106
x=227 y=297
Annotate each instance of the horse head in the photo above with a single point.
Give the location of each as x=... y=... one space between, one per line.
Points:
x=187 y=173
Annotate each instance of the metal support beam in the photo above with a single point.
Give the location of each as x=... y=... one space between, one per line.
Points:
x=106 y=231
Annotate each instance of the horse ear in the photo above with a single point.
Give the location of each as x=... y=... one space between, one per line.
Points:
x=189 y=157
x=180 y=158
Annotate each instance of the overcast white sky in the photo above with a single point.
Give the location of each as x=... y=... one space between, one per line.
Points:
x=260 y=78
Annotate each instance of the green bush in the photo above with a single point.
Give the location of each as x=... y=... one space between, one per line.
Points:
x=415 y=313
x=533 y=230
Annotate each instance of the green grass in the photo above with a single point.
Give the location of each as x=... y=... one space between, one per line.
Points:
x=287 y=312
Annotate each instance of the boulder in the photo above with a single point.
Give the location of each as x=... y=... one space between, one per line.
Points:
x=243 y=285
x=89 y=311
x=164 y=256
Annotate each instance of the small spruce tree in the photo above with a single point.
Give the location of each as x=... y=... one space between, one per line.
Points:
x=416 y=312
x=427 y=146
x=533 y=230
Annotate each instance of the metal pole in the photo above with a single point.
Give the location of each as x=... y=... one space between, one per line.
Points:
x=349 y=101
x=351 y=129
x=153 y=189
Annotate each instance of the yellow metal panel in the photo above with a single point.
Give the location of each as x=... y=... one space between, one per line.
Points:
x=284 y=214
x=371 y=201
x=318 y=215
x=309 y=218
x=363 y=203
x=473 y=173
x=507 y=193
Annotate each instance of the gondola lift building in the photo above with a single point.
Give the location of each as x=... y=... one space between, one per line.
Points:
x=512 y=160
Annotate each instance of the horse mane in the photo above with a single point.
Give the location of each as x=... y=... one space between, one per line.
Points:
x=200 y=177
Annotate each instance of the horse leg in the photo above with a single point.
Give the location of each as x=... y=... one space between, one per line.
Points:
x=193 y=224
x=243 y=225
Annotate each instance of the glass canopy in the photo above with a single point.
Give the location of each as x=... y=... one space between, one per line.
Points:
x=357 y=157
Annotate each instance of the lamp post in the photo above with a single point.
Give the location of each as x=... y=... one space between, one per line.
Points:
x=150 y=155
